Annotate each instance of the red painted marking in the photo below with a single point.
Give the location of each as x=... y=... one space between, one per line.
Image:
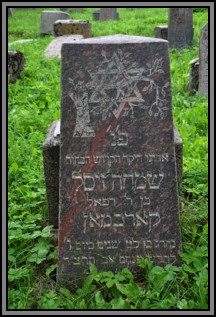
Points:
x=65 y=227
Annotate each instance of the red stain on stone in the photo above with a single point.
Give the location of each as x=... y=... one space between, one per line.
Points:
x=66 y=222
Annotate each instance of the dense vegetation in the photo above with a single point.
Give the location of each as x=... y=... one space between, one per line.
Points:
x=33 y=104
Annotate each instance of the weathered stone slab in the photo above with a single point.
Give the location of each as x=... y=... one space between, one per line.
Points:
x=194 y=76
x=54 y=48
x=16 y=61
x=203 y=60
x=161 y=31
x=63 y=27
x=51 y=149
x=180 y=27
x=49 y=17
x=118 y=179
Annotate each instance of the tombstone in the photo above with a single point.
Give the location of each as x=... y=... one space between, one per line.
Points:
x=203 y=60
x=161 y=32
x=54 y=47
x=51 y=149
x=49 y=17
x=180 y=28
x=10 y=12
x=194 y=76
x=16 y=61
x=118 y=182
x=106 y=14
x=63 y=27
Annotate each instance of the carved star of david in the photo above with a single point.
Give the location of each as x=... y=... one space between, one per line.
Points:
x=114 y=85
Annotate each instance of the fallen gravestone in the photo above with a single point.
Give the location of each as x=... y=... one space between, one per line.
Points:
x=51 y=149
x=203 y=60
x=54 y=48
x=63 y=27
x=49 y=17
x=118 y=181
x=106 y=14
x=180 y=27
x=161 y=31
x=16 y=61
x=194 y=76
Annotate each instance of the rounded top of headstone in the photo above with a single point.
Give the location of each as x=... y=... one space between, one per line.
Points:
x=120 y=38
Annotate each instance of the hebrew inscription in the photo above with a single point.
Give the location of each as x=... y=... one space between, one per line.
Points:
x=118 y=189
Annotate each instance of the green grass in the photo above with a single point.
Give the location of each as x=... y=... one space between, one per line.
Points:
x=33 y=104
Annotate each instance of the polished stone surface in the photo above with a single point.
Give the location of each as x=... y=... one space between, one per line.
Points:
x=118 y=178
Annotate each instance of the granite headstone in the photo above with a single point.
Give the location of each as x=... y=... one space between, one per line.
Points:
x=180 y=27
x=118 y=178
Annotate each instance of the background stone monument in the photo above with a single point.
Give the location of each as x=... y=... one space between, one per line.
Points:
x=180 y=27
x=49 y=17
x=106 y=14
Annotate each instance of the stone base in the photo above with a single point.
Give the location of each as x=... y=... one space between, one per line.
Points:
x=64 y=27
x=161 y=31
x=51 y=149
